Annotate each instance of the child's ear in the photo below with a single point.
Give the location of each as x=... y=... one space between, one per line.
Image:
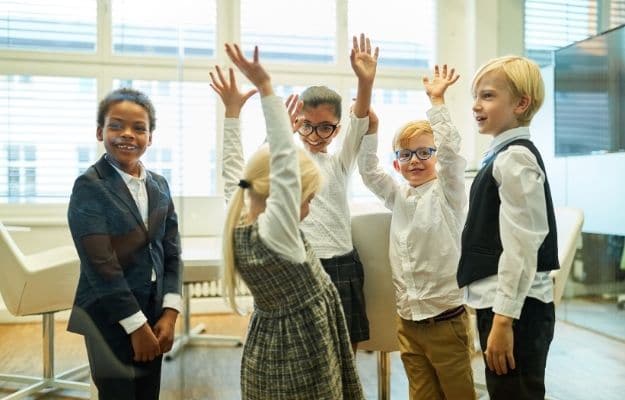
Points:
x=150 y=139
x=396 y=165
x=522 y=104
x=98 y=134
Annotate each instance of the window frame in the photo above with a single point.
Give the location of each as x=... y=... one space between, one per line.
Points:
x=106 y=66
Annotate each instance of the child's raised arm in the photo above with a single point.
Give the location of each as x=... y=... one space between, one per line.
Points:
x=435 y=88
x=251 y=69
x=364 y=65
x=229 y=92
x=451 y=164
x=233 y=100
x=278 y=224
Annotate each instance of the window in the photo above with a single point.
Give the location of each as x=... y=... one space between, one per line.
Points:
x=410 y=46
x=44 y=122
x=304 y=36
x=65 y=55
x=184 y=134
x=60 y=25
x=173 y=28
x=551 y=24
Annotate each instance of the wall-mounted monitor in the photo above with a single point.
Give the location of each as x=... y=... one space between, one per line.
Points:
x=590 y=95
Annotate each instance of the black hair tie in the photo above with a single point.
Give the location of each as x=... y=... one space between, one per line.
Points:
x=244 y=184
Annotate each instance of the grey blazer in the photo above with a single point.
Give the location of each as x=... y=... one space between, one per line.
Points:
x=117 y=253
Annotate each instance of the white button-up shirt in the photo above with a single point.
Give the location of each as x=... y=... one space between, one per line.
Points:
x=139 y=192
x=523 y=227
x=426 y=223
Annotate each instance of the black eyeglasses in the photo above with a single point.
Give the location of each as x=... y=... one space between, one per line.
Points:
x=324 y=131
x=422 y=153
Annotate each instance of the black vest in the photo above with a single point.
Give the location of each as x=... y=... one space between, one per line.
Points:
x=481 y=241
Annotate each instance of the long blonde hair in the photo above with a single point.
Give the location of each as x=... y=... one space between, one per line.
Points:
x=257 y=174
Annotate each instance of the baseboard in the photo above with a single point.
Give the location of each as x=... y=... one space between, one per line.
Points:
x=201 y=305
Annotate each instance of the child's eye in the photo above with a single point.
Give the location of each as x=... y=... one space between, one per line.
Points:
x=141 y=128
x=115 y=126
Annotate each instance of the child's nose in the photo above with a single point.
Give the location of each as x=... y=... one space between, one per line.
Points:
x=128 y=132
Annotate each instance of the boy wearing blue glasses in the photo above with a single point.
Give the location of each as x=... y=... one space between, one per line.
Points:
x=424 y=245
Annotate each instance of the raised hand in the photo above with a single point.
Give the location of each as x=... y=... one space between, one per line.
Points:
x=294 y=108
x=227 y=89
x=363 y=62
x=435 y=88
x=253 y=70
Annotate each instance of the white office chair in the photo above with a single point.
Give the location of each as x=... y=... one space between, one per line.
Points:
x=569 y=222
x=201 y=221
x=41 y=283
x=370 y=234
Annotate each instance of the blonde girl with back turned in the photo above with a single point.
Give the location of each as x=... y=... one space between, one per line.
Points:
x=297 y=345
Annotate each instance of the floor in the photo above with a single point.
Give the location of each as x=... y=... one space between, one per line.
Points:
x=582 y=364
x=595 y=312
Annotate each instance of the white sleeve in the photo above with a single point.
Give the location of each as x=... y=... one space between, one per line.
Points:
x=450 y=164
x=523 y=226
x=351 y=142
x=373 y=176
x=232 y=164
x=133 y=322
x=278 y=225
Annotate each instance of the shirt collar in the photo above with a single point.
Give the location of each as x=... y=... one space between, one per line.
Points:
x=499 y=141
x=419 y=190
x=127 y=177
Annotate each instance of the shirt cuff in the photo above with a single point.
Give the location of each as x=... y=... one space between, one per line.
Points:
x=173 y=300
x=233 y=122
x=134 y=322
x=508 y=307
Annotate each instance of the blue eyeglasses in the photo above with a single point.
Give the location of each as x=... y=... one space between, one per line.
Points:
x=422 y=153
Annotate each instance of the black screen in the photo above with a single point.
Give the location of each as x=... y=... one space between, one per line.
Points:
x=590 y=96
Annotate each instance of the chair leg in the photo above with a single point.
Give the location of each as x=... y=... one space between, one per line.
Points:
x=384 y=375
x=194 y=336
x=48 y=381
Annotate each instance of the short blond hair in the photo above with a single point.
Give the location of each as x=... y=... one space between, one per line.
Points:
x=523 y=77
x=411 y=130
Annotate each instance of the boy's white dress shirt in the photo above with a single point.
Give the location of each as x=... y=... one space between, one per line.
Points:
x=523 y=227
x=426 y=223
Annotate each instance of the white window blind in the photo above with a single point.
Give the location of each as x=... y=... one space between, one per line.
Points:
x=288 y=32
x=173 y=28
x=617 y=13
x=47 y=135
x=60 y=25
x=183 y=146
x=404 y=30
x=552 y=24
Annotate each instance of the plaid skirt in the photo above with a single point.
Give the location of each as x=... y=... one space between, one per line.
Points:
x=346 y=272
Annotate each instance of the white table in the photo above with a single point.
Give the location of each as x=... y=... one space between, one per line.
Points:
x=202 y=259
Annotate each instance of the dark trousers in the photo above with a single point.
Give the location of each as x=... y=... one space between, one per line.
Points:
x=533 y=333
x=114 y=372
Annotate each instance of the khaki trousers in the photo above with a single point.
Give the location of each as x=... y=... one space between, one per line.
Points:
x=437 y=358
